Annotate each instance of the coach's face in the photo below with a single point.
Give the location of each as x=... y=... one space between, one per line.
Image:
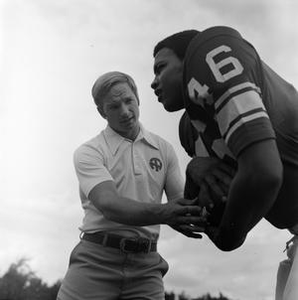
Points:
x=167 y=84
x=121 y=110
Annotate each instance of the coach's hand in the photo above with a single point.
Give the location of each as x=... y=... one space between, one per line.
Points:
x=186 y=217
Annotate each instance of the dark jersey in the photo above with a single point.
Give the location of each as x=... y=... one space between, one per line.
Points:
x=188 y=135
x=234 y=100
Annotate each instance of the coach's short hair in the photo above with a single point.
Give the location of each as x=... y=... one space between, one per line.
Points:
x=105 y=82
x=177 y=42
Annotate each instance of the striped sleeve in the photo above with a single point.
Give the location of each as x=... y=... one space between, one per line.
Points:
x=242 y=117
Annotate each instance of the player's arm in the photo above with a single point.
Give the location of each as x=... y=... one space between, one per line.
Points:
x=234 y=81
x=252 y=193
x=114 y=207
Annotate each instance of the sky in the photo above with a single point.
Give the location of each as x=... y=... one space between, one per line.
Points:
x=51 y=52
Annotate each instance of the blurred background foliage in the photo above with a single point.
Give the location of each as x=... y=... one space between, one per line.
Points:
x=19 y=282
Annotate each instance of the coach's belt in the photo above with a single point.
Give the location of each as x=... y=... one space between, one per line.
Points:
x=126 y=245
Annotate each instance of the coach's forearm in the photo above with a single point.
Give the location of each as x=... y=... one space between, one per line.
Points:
x=173 y=213
x=130 y=212
x=116 y=208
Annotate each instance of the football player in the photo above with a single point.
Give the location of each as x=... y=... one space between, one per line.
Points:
x=245 y=115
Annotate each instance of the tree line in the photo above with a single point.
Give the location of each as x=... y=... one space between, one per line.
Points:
x=19 y=282
x=183 y=296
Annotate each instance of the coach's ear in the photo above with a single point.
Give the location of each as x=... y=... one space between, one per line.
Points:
x=101 y=112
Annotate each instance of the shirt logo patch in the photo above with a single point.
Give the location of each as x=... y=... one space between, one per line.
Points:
x=155 y=164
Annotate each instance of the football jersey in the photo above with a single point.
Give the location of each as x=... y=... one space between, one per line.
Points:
x=234 y=99
x=188 y=135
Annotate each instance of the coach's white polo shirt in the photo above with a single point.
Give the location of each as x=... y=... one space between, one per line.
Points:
x=142 y=170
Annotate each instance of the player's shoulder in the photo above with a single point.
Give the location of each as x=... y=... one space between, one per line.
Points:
x=216 y=55
x=211 y=38
x=214 y=33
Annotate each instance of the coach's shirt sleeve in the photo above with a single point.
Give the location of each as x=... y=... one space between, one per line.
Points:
x=223 y=80
x=90 y=168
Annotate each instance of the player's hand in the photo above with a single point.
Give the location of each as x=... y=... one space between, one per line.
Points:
x=186 y=217
x=191 y=189
x=211 y=175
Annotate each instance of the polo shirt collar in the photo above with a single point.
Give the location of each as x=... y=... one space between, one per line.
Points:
x=114 y=140
x=148 y=137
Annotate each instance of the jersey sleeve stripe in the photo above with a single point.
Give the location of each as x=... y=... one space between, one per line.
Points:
x=238 y=89
x=237 y=106
x=251 y=112
x=242 y=121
